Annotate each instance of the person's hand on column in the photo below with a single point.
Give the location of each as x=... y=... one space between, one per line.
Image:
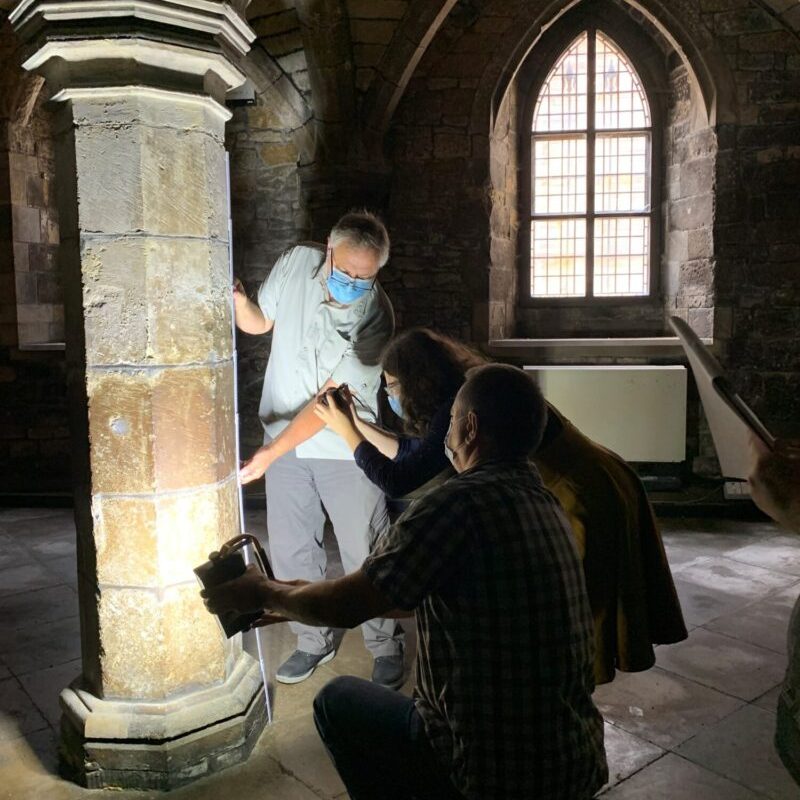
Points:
x=775 y=480
x=239 y=294
x=254 y=468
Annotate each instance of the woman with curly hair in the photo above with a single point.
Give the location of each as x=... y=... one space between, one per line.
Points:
x=423 y=371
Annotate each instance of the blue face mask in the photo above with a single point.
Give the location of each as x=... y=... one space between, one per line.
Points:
x=396 y=406
x=346 y=290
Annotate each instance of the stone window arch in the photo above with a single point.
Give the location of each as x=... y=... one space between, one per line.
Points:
x=591 y=128
x=689 y=151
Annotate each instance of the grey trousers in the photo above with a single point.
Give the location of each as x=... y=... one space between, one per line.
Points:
x=297 y=490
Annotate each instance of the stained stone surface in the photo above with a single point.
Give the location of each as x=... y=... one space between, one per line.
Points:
x=140 y=294
x=161 y=429
x=156 y=540
x=180 y=174
x=156 y=643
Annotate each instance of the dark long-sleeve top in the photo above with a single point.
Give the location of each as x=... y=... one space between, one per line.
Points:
x=417 y=460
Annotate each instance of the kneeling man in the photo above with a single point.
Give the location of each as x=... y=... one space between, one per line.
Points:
x=502 y=708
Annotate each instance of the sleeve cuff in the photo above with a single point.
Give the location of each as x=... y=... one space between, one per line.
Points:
x=363 y=452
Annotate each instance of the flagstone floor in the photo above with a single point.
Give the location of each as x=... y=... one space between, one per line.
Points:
x=698 y=726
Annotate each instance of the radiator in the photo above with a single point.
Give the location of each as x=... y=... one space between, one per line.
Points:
x=636 y=411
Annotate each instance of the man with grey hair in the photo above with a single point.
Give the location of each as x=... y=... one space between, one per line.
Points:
x=330 y=320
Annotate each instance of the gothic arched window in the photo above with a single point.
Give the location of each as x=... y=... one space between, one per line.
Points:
x=591 y=152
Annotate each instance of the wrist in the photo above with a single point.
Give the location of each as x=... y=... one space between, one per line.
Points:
x=265 y=594
x=353 y=438
x=272 y=594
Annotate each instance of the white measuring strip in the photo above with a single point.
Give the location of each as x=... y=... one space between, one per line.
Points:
x=248 y=557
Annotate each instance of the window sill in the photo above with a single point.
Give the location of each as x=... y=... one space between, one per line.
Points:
x=662 y=348
x=34 y=347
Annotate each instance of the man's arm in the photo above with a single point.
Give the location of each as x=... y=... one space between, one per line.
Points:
x=342 y=603
x=249 y=317
x=305 y=425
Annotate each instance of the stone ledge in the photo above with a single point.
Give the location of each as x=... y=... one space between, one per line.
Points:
x=203 y=16
x=170 y=44
x=657 y=347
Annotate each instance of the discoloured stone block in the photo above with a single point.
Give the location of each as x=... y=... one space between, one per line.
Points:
x=184 y=114
x=157 y=541
x=156 y=180
x=156 y=643
x=156 y=301
x=160 y=430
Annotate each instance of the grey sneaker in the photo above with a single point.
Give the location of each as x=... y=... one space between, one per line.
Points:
x=300 y=665
x=388 y=671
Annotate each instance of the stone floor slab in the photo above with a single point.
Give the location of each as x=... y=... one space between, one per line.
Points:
x=676 y=778
x=680 y=554
x=769 y=700
x=714 y=537
x=57 y=546
x=25 y=578
x=627 y=754
x=56 y=523
x=13 y=554
x=26 y=609
x=733 y=577
x=23 y=775
x=44 y=687
x=660 y=707
x=259 y=777
x=763 y=623
x=37 y=647
x=296 y=745
x=65 y=568
x=701 y=604
x=722 y=663
x=650 y=711
x=18 y=714
x=742 y=749
x=13 y=515
x=779 y=553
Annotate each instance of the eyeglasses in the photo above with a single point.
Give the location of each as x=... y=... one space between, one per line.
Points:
x=342 y=278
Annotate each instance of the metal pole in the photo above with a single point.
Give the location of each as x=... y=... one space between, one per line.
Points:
x=248 y=556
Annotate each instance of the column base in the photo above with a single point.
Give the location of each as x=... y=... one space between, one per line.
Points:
x=129 y=745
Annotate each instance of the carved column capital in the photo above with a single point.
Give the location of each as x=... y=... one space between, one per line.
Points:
x=184 y=45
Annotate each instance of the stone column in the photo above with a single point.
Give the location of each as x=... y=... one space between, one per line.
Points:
x=138 y=89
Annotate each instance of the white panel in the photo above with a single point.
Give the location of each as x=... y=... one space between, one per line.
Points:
x=638 y=412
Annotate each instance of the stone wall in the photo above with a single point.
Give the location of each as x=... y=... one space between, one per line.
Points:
x=268 y=217
x=757 y=210
x=34 y=434
x=390 y=104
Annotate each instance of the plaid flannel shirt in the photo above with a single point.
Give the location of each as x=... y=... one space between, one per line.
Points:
x=505 y=636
